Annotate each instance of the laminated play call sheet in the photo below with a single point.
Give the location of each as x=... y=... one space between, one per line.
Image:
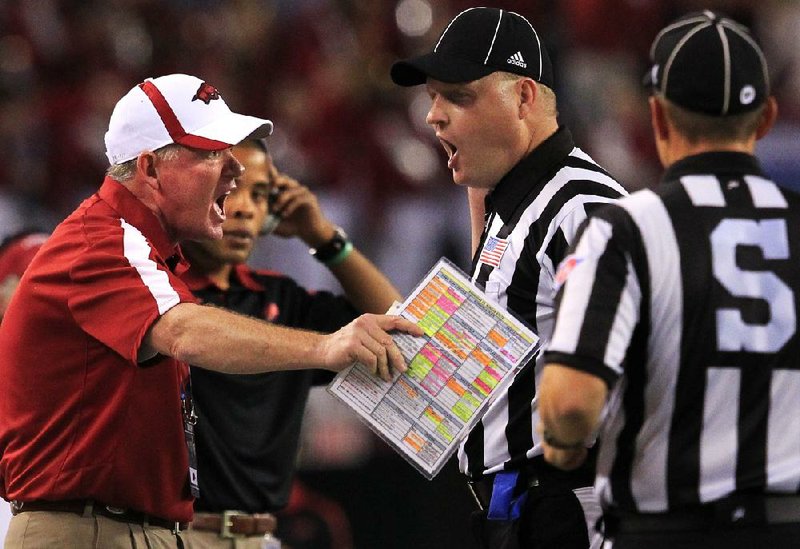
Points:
x=469 y=353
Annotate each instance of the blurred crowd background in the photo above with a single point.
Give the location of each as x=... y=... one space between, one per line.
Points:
x=319 y=69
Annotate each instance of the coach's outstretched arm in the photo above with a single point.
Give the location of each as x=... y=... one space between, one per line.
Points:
x=217 y=339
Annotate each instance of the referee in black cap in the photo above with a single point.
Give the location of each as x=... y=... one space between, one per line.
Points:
x=494 y=110
x=679 y=315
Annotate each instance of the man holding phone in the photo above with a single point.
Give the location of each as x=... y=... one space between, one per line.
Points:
x=249 y=425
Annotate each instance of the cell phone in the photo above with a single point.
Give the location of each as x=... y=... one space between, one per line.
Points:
x=273 y=219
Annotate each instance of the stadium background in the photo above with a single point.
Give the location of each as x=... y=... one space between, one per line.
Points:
x=319 y=70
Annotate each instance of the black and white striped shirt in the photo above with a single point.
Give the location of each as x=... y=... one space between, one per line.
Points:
x=532 y=216
x=685 y=300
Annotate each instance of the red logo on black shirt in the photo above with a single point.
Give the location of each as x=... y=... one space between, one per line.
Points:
x=271 y=312
x=205 y=93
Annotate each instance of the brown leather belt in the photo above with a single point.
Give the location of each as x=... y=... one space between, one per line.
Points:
x=229 y=524
x=92 y=508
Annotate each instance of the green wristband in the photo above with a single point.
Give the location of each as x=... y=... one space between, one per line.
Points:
x=341 y=256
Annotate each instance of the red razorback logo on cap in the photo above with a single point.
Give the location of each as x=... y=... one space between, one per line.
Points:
x=205 y=93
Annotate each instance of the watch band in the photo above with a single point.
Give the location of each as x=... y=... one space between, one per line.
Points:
x=335 y=250
x=550 y=440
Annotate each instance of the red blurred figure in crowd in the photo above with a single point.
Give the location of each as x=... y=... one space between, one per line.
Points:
x=16 y=253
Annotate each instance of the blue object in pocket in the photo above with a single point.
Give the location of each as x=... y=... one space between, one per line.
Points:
x=504 y=506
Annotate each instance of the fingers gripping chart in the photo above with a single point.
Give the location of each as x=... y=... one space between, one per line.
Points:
x=470 y=349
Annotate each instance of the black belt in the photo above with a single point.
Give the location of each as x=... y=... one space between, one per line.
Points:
x=481 y=490
x=230 y=524
x=730 y=512
x=535 y=473
x=92 y=508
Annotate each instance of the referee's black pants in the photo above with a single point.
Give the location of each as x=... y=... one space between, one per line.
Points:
x=550 y=518
x=766 y=536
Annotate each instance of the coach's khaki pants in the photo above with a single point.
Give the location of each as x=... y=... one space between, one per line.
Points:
x=49 y=530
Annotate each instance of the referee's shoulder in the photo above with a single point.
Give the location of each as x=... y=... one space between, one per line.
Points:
x=630 y=206
x=588 y=177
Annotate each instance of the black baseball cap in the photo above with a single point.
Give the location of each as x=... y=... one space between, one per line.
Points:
x=708 y=63
x=476 y=43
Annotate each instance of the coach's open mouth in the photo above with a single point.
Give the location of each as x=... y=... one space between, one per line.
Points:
x=219 y=204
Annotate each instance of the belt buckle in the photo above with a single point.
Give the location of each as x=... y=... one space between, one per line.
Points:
x=227 y=524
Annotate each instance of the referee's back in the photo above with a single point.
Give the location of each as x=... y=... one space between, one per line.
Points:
x=713 y=369
x=681 y=305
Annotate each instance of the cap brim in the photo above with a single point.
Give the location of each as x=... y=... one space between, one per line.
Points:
x=416 y=71
x=234 y=128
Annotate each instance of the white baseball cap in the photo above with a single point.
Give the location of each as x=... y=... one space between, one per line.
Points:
x=176 y=108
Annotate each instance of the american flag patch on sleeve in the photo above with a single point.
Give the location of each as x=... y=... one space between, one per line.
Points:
x=493 y=251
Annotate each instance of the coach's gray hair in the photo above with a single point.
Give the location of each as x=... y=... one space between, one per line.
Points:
x=125 y=171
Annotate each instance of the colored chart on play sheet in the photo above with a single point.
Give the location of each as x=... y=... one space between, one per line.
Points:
x=470 y=350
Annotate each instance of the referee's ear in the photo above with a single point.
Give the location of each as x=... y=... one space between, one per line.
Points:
x=768 y=117
x=661 y=130
x=528 y=94
x=658 y=118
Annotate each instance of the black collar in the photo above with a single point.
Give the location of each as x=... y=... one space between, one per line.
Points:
x=530 y=174
x=717 y=163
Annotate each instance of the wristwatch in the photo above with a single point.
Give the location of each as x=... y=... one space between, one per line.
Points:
x=550 y=440
x=333 y=248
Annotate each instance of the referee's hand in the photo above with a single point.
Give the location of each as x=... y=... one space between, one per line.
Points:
x=367 y=340
x=564 y=459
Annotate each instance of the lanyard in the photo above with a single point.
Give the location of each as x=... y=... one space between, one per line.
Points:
x=189 y=421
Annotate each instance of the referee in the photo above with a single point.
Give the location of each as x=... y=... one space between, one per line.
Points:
x=683 y=305
x=494 y=111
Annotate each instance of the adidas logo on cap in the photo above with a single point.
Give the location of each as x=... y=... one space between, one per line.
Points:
x=517 y=60
x=476 y=43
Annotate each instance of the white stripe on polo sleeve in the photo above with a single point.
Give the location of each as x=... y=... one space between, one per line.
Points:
x=137 y=252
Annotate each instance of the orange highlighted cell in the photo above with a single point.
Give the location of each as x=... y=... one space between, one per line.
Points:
x=415 y=441
x=481 y=357
x=431 y=413
x=498 y=338
x=456 y=387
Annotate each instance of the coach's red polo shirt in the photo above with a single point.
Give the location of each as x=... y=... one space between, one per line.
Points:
x=81 y=416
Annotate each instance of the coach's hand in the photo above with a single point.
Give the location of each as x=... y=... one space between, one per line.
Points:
x=366 y=340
